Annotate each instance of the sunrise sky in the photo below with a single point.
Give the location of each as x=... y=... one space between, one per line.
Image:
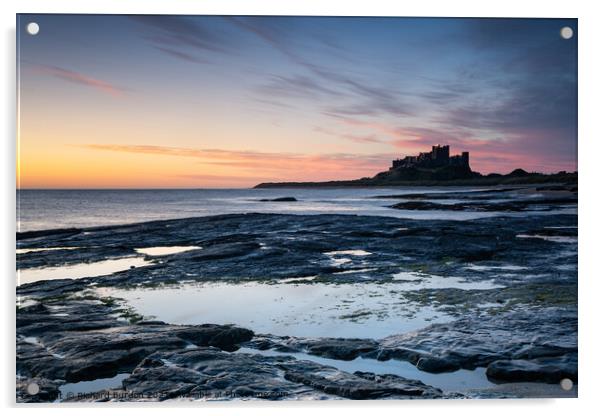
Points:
x=210 y=101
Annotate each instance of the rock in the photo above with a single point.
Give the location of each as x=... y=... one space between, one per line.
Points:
x=436 y=365
x=539 y=204
x=210 y=373
x=47 y=233
x=359 y=386
x=544 y=369
x=345 y=349
x=514 y=346
x=338 y=348
x=281 y=199
x=228 y=339
x=86 y=341
x=221 y=251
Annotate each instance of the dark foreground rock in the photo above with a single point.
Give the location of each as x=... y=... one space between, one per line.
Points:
x=539 y=204
x=527 y=345
x=470 y=195
x=80 y=338
x=336 y=348
x=208 y=373
x=526 y=332
x=547 y=369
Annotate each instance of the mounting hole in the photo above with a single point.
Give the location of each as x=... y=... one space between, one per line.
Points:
x=566 y=32
x=33 y=389
x=566 y=384
x=33 y=28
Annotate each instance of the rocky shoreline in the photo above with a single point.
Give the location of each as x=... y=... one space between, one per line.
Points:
x=521 y=330
x=419 y=177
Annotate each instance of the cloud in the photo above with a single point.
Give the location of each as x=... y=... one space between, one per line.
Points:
x=507 y=93
x=371 y=138
x=227 y=180
x=298 y=85
x=171 y=34
x=182 y=55
x=362 y=97
x=512 y=102
x=264 y=28
x=81 y=79
x=275 y=166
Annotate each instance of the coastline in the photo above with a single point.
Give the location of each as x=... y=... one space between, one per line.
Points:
x=529 y=179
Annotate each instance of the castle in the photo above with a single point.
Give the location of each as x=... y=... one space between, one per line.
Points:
x=438 y=157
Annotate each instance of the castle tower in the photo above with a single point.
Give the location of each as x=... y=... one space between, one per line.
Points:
x=465 y=160
x=440 y=154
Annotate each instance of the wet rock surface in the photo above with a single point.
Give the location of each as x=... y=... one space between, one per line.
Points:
x=528 y=339
x=337 y=348
x=211 y=373
x=524 y=345
x=522 y=329
x=270 y=246
x=548 y=369
x=85 y=338
x=518 y=199
x=513 y=206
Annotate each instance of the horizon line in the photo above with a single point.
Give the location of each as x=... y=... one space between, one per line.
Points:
x=247 y=187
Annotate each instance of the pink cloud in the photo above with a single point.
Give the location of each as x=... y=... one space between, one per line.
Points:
x=81 y=79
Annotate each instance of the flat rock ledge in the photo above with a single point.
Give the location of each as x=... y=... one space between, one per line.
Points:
x=82 y=338
x=518 y=346
x=209 y=373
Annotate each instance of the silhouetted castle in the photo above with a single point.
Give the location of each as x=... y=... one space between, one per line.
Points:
x=436 y=158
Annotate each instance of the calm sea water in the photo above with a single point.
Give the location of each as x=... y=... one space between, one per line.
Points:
x=46 y=209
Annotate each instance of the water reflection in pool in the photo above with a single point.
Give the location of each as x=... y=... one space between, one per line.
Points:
x=364 y=310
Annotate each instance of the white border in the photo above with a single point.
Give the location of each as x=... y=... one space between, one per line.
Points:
x=590 y=154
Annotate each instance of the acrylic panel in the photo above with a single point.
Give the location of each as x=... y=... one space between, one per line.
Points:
x=295 y=208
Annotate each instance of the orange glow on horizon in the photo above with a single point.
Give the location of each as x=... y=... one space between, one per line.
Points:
x=118 y=166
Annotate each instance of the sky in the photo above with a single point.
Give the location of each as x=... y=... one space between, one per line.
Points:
x=116 y=101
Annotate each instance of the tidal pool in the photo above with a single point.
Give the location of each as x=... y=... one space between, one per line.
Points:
x=36 y=250
x=80 y=270
x=163 y=251
x=553 y=238
x=71 y=390
x=365 y=310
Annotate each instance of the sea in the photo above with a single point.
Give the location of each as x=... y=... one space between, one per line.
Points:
x=50 y=209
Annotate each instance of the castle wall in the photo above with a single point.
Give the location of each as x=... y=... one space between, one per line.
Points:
x=437 y=157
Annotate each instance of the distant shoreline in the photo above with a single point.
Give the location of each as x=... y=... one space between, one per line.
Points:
x=510 y=179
